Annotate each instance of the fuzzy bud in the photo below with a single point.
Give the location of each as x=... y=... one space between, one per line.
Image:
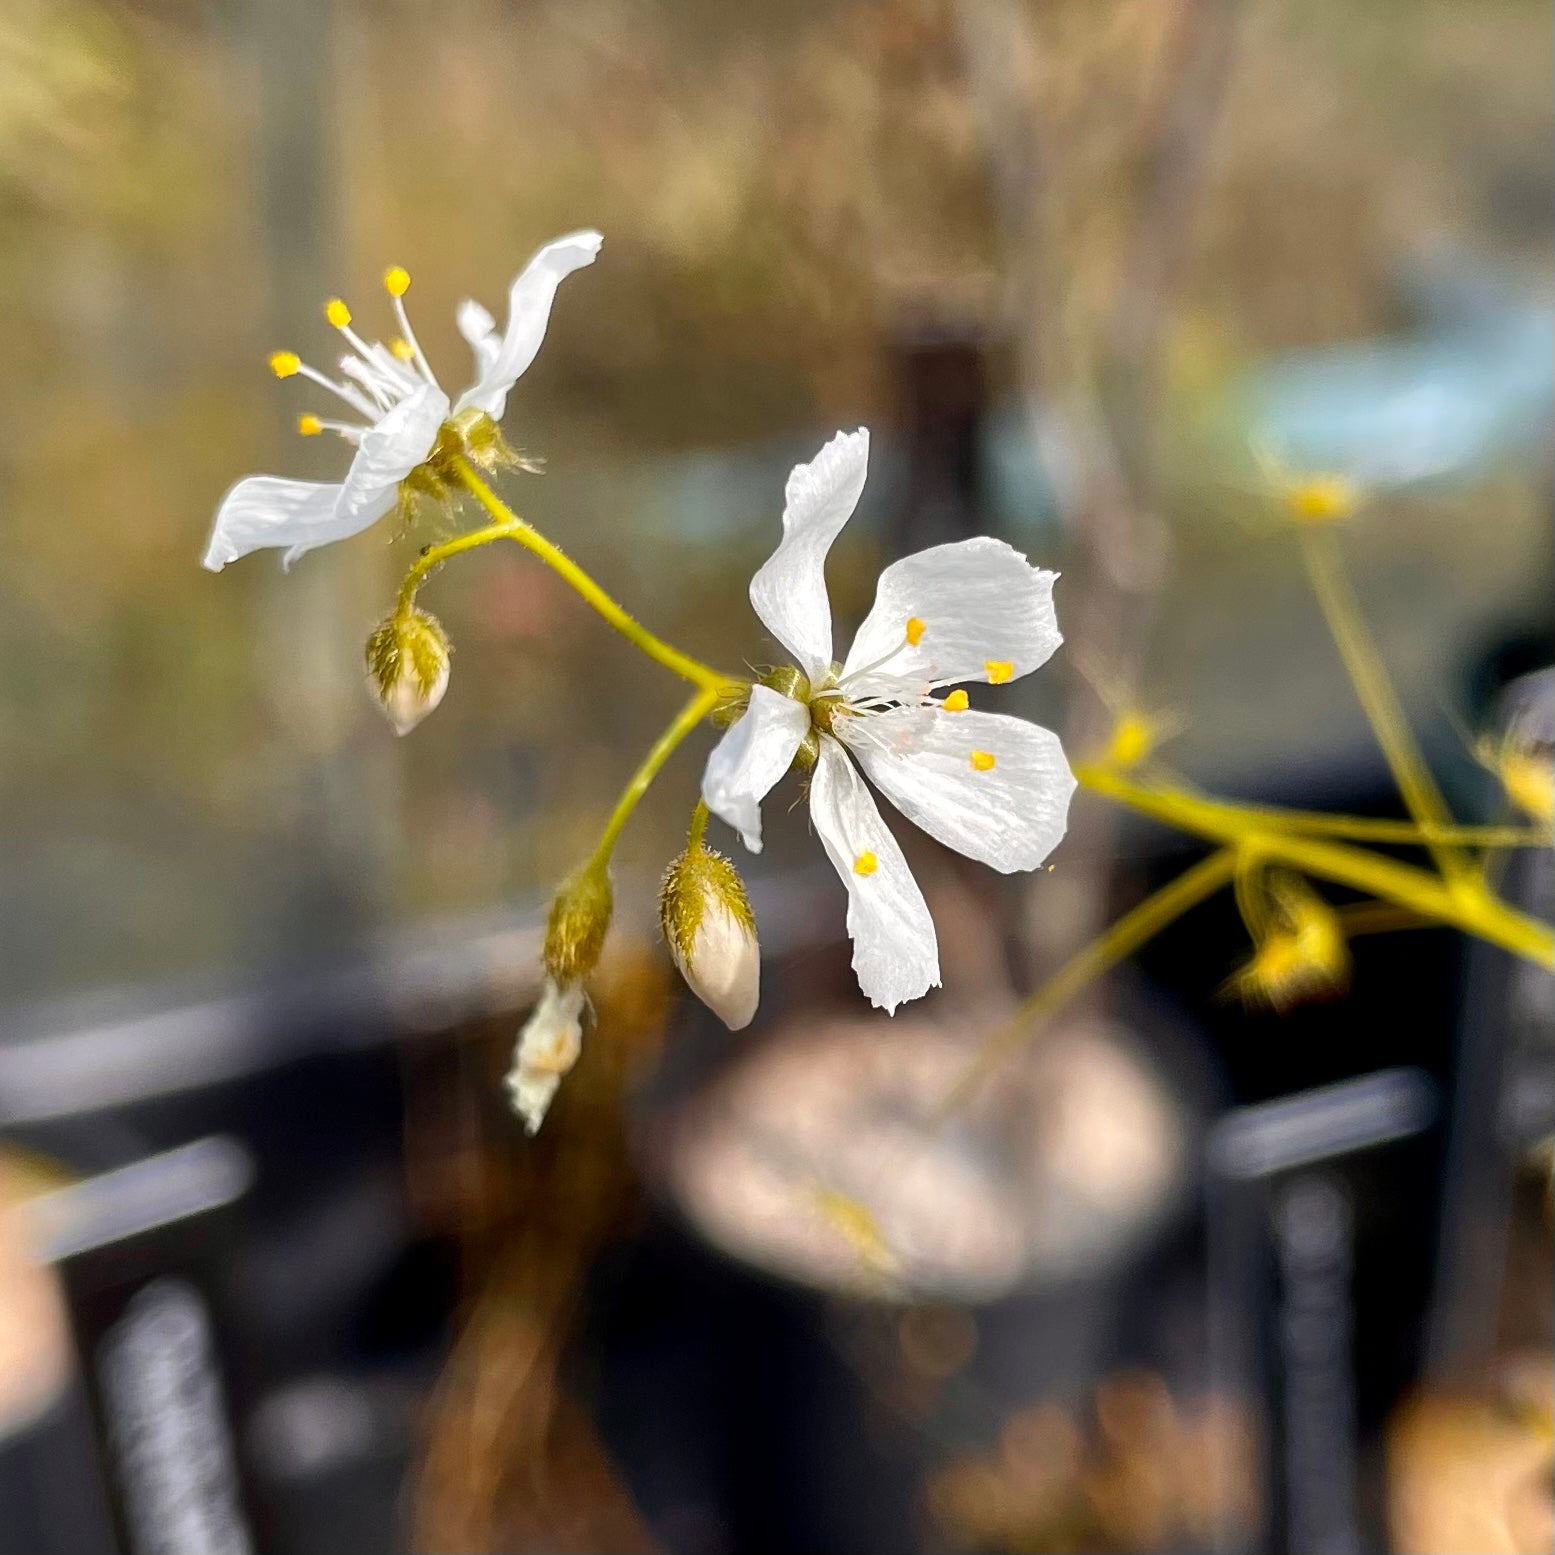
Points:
x=578 y=922
x=407 y=667
x=711 y=933
x=547 y=1048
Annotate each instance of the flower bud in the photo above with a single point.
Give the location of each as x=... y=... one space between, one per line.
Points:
x=578 y=922
x=711 y=933
x=407 y=667
x=547 y=1048
x=1301 y=956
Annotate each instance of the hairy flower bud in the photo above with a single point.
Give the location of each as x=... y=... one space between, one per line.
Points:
x=547 y=1048
x=407 y=667
x=578 y=922
x=711 y=933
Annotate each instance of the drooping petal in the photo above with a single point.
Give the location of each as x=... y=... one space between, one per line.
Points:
x=977 y=609
x=992 y=787
x=479 y=328
x=895 y=953
x=789 y=592
x=750 y=758
x=264 y=510
x=386 y=454
x=529 y=312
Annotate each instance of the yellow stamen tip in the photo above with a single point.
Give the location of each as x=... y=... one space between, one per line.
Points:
x=402 y=349
x=396 y=280
x=999 y=671
x=865 y=864
x=284 y=363
x=983 y=761
x=309 y=426
x=337 y=313
x=956 y=702
x=916 y=627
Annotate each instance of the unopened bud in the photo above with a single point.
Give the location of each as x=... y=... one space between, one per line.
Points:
x=407 y=667
x=547 y=1048
x=578 y=922
x=711 y=933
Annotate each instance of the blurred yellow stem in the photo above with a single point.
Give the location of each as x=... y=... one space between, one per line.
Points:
x=689 y=717
x=1467 y=904
x=1422 y=798
x=1360 y=828
x=1103 y=953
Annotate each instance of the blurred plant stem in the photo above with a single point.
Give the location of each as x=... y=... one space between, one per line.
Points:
x=1422 y=798
x=1100 y=955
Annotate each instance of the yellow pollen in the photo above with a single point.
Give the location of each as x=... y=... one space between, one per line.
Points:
x=982 y=761
x=956 y=702
x=396 y=280
x=1321 y=499
x=309 y=426
x=916 y=627
x=337 y=313
x=284 y=363
x=866 y=863
x=999 y=671
x=402 y=349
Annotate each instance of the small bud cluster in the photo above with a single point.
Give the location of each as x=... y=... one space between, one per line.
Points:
x=407 y=667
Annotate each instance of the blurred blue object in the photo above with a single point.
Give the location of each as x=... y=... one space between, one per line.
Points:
x=1472 y=387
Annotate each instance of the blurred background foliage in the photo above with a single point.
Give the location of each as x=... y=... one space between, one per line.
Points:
x=192 y=774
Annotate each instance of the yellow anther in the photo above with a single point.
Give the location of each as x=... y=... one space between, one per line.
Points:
x=402 y=349
x=999 y=671
x=1321 y=499
x=337 y=313
x=396 y=280
x=982 y=761
x=916 y=627
x=866 y=863
x=284 y=363
x=309 y=426
x=956 y=702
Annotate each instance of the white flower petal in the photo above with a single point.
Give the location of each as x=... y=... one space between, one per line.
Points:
x=979 y=601
x=789 y=592
x=895 y=953
x=529 y=312
x=265 y=510
x=479 y=328
x=750 y=758
x=386 y=454
x=1009 y=811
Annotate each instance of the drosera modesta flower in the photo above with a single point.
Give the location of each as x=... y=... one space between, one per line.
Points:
x=993 y=787
x=403 y=427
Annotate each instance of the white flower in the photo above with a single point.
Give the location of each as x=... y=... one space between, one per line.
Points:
x=547 y=1048
x=403 y=412
x=990 y=786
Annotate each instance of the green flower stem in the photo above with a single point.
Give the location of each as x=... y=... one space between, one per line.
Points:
x=688 y=718
x=508 y=525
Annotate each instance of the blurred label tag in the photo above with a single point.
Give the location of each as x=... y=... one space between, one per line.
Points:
x=136 y=1249
x=1307 y=1255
